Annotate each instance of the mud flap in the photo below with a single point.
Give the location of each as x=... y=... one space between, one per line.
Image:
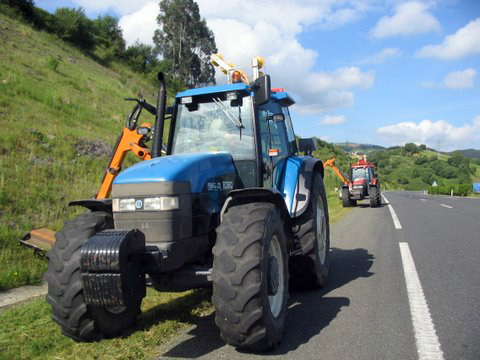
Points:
x=40 y=240
x=112 y=270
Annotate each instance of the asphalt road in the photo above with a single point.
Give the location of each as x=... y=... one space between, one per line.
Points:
x=409 y=290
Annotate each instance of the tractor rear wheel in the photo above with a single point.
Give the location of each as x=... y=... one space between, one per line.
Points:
x=374 y=196
x=250 y=277
x=78 y=320
x=346 y=202
x=310 y=270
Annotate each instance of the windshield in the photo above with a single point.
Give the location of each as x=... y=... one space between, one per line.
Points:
x=216 y=125
x=359 y=173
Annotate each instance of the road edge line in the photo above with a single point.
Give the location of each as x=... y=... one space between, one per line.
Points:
x=396 y=222
x=428 y=346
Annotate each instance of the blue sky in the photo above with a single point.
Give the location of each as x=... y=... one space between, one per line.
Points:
x=373 y=71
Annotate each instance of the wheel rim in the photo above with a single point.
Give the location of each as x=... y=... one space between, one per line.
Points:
x=275 y=277
x=321 y=231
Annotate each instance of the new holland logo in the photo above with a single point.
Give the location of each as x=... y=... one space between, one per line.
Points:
x=138 y=204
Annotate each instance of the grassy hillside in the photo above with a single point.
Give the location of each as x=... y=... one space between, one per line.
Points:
x=54 y=102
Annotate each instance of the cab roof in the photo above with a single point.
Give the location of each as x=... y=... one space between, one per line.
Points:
x=280 y=96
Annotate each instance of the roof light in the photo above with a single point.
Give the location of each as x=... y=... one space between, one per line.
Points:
x=232 y=96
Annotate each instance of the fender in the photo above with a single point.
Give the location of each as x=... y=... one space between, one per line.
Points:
x=94 y=204
x=249 y=195
x=304 y=185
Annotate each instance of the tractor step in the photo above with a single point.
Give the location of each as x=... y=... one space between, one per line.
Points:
x=41 y=240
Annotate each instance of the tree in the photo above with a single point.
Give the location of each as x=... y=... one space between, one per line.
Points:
x=73 y=26
x=184 y=39
x=410 y=148
x=109 y=34
x=457 y=159
x=141 y=58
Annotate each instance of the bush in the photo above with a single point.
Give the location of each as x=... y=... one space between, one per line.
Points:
x=420 y=160
x=402 y=179
x=53 y=63
x=458 y=190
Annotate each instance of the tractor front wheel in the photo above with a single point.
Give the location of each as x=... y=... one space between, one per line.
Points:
x=250 y=277
x=78 y=320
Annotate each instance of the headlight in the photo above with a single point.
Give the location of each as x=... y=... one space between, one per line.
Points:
x=123 y=205
x=146 y=204
x=161 y=203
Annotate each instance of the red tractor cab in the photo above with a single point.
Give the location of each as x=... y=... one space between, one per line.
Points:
x=363 y=184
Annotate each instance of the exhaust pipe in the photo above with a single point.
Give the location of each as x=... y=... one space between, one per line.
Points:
x=159 y=117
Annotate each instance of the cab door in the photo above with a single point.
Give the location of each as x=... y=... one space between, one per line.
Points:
x=274 y=143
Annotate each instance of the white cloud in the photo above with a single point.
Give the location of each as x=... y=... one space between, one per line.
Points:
x=410 y=18
x=465 y=42
x=433 y=132
x=460 y=79
x=141 y=24
x=242 y=31
x=457 y=80
x=381 y=56
x=333 y=120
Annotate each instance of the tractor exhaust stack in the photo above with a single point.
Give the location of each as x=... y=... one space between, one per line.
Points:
x=159 y=117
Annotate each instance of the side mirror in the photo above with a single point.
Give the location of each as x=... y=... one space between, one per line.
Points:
x=276 y=117
x=307 y=146
x=262 y=89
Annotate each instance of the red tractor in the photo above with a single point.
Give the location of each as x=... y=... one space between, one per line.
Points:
x=363 y=184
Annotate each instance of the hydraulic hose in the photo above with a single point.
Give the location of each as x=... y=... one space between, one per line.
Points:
x=159 y=117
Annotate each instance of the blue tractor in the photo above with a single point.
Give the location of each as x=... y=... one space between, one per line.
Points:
x=227 y=203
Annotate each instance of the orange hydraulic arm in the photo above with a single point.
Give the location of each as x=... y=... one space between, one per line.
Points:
x=129 y=140
x=331 y=163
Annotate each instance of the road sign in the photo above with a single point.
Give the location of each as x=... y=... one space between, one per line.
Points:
x=476 y=188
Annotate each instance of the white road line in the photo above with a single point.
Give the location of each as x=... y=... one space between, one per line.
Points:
x=428 y=346
x=396 y=222
x=450 y=207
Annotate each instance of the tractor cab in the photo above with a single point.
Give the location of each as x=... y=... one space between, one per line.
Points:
x=257 y=133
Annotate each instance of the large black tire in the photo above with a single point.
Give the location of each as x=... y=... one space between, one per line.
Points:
x=374 y=193
x=250 y=289
x=78 y=320
x=310 y=270
x=346 y=202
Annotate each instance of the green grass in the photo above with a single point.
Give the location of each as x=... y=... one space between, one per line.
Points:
x=27 y=331
x=51 y=96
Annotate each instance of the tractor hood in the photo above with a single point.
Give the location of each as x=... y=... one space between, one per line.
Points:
x=200 y=169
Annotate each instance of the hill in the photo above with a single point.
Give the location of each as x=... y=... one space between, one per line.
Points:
x=412 y=168
x=60 y=115
x=359 y=148
x=408 y=167
x=469 y=153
